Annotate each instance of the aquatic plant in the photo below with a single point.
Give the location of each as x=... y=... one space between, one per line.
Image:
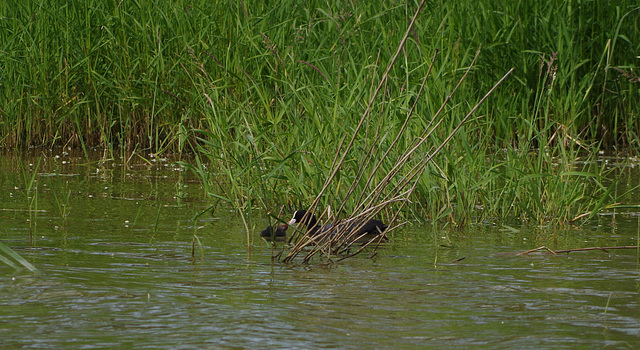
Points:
x=30 y=191
x=61 y=196
x=273 y=143
x=264 y=95
x=116 y=73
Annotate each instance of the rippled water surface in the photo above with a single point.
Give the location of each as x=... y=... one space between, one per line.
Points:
x=119 y=272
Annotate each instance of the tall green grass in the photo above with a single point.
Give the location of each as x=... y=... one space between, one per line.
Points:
x=264 y=95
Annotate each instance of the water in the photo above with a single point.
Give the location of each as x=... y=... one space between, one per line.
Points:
x=119 y=273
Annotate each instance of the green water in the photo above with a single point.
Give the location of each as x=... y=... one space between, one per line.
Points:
x=118 y=272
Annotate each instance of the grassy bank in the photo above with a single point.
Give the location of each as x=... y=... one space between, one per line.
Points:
x=264 y=95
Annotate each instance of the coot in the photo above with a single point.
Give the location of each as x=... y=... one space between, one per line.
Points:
x=279 y=234
x=366 y=231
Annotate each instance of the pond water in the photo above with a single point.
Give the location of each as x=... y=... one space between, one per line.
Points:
x=116 y=271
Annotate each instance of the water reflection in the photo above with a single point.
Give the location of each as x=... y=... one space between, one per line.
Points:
x=119 y=273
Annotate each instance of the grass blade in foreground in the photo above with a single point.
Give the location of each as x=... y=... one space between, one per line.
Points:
x=6 y=254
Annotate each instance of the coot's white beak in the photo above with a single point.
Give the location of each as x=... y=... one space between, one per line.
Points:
x=292 y=221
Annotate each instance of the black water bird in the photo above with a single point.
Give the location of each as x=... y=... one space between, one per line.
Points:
x=279 y=234
x=360 y=230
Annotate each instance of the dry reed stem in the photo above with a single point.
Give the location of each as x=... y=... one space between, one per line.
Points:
x=423 y=138
x=556 y=252
x=403 y=127
x=420 y=167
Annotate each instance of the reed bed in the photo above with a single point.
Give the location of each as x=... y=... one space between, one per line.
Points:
x=263 y=96
x=375 y=196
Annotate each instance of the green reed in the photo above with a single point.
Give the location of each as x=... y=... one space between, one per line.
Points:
x=30 y=190
x=265 y=95
x=61 y=195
